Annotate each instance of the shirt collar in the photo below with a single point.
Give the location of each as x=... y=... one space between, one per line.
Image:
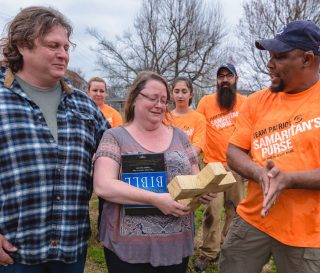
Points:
x=9 y=78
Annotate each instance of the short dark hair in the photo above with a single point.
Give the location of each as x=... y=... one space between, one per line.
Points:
x=188 y=83
x=28 y=25
x=138 y=84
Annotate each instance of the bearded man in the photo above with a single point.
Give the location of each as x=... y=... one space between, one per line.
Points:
x=220 y=110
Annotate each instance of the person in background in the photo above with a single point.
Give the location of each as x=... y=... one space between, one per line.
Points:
x=150 y=242
x=49 y=132
x=97 y=91
x=276 y=146
x=221 y=111
x=183 y=117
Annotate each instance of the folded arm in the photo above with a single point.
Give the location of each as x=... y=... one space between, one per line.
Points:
x=280 y=180
x=271 y=179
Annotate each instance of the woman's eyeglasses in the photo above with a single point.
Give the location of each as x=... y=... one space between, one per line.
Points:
x=155 y=100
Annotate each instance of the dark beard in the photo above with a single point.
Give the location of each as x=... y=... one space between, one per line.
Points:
x=279 y=88
x=226 y=96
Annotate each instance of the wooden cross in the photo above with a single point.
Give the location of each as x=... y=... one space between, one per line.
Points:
x=212 y=178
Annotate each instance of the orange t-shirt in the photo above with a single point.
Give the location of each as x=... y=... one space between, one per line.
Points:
x=193 y=124
x=220 y=126
x=285 y=128
x=112 y=115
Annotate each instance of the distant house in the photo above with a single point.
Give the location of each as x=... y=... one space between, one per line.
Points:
x=117 y=103
x=116 y=97
x=80 y=83
x=77 y=81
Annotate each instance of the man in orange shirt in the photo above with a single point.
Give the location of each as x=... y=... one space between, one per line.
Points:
x=276 y=145
x=220 y=110
x=97 y=91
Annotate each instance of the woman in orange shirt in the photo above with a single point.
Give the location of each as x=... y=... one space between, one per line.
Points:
x=185 y=118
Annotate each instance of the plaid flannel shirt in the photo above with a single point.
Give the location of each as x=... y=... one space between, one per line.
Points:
x=45 y=186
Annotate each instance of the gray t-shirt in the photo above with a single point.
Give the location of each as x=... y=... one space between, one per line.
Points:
x=47 y=100
x=161 y=240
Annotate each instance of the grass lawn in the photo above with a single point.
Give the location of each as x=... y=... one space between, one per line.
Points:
x=95 y=258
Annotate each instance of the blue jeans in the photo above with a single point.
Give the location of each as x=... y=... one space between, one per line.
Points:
x=49 y=267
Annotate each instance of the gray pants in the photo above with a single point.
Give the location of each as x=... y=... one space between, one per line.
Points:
x=247 y=249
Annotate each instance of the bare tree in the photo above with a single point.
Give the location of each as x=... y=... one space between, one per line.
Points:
x=263 y=19
x=171 y=37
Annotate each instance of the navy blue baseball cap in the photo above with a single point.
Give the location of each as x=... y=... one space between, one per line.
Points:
x=228 y=66
x=303 y=35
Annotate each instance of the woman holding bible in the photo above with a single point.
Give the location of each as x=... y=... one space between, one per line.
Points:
x=145 y=242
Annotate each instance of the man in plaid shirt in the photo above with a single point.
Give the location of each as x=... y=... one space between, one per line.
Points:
x=49 y=132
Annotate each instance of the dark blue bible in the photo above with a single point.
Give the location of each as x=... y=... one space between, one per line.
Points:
x=147 y=172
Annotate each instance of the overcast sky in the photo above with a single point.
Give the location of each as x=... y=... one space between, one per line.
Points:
x=109 y=17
